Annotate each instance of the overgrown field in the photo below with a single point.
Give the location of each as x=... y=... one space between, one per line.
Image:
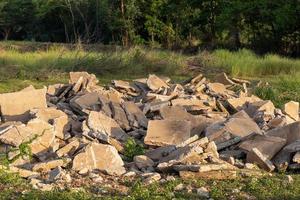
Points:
x=22 y=64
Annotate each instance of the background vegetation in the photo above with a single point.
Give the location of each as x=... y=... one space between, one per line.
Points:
x=261 y=25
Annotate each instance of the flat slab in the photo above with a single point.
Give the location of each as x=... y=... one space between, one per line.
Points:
x=167 y=132
x=15 y=106
x=269 y=146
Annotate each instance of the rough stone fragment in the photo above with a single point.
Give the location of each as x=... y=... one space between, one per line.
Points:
x=143 y=162
x=241 y=127
x=260 y=111
x=135 y=114
x=238 y=103
x=101 y=124
x=152 y=178
x=255 y=156
x=290 y=132
x=284 y=157
x=88 y=80
x=57 y=118
x=99 y=156
x=167 y=132
x=219 y=88
x=155 y=83
x=238 y=125
x=267 y=145
x=292 y=109
x=88 y=101
x=15 y=106
x=68 y=149
x=198 y=124
x=217 y=175
x=119 y=115
x=296 y=157
x=158 y=153
x=48 y=165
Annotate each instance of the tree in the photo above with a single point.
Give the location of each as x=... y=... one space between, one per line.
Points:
x=15 y=15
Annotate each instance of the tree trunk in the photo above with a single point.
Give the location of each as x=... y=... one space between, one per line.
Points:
x=7 y=33
x=125 y=35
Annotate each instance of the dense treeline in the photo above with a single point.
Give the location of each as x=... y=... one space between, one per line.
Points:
x=262 y=25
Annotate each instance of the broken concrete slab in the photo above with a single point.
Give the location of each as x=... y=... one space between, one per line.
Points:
x=155 y=83
x=48 y=165
x=167 y=132
x=23 y=101
x=292 y=109
x=135 y=115
x=119 y=115
x=255 y=156
x=105 y=126
x=269 y=146
x=57 y=118
x=290 y=132
x=143 y=162
x=198 y=123
x=241 y=126
x=69 y=149
x=238 y=103
x=219 y=89
x=88 y=81
x=296 y=157
x=99 y=156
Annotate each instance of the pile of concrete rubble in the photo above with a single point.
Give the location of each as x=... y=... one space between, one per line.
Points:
x=214 y=130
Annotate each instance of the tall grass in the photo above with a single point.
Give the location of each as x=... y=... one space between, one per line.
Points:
x=244 y=63
x=135 y=62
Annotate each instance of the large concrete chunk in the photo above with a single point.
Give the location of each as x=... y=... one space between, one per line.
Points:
x=241 y=125
x=167 y=132
x=155 y=83
x=292 y=109
x=15 y=106
x=238 y=125
x=255 y=156
x=55 y=117
x=198 y=123
x=134 y=114
x=83 y=80
x=104 y=125
x=269 y=146
x=99 y=156
x=238 y=103
x=88 y=101
x=290 y=132
x=119 y=115
x=220 y=89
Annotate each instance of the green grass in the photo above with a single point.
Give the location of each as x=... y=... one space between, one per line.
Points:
x=46 y=64
x=245 y=63
x=274 y=187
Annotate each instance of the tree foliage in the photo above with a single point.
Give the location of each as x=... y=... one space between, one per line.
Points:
x=262 y=25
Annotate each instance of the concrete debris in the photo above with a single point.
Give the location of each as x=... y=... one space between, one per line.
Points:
x=197 y=129
x=16 y=106
x=167 y=132
x=292 y=110
x=99 y=156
